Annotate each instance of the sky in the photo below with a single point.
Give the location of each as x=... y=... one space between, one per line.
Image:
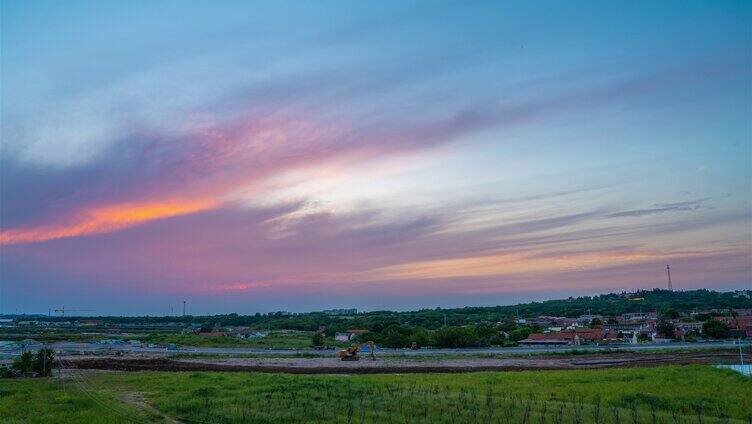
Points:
x=262 y=156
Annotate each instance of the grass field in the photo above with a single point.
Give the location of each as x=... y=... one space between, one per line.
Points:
x=275 y=340
x=693 y=394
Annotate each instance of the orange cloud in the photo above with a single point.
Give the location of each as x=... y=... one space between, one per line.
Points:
x=106 y=219
x=517 y=264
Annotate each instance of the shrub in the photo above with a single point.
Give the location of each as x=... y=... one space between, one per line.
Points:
x=7 y=372
x=24 y=363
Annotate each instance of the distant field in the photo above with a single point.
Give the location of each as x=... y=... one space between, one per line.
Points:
x=277 y=340
x=692 y=394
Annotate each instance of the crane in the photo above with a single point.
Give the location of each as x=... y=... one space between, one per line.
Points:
x=63 y=310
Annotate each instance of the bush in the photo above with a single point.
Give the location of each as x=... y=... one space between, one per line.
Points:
x=7 y=372
x=24 y=363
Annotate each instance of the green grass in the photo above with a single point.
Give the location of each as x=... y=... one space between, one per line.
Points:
x=671 y=394
x=43 y=401
x=275 y=340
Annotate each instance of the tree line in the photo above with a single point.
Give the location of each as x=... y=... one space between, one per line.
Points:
x=662 y=301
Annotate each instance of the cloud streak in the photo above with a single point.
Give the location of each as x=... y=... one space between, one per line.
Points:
x=660 y=208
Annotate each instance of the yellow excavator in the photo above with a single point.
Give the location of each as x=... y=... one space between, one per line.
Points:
x=351 y=353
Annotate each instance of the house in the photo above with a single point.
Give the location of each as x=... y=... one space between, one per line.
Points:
x=560 y=338
x=742 y=323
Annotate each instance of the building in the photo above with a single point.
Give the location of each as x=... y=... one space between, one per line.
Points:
x=352 y=311
x=588 y=318
x=570 y=337
x=742 y=323
x=349 y=335
x=560 y=338
x=688 y=327
x=639 y=316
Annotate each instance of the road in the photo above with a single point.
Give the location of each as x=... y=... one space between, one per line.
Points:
x=77 y=348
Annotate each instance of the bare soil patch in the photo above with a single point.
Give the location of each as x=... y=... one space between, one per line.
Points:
x=138 y=401
x=366 y=366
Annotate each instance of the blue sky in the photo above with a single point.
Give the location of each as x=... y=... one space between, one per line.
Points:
x=291 y=155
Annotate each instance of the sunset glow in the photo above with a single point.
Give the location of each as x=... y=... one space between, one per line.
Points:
x=261 y=157
x=105 y=220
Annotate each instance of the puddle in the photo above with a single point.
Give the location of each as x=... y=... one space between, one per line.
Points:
x=744 y=369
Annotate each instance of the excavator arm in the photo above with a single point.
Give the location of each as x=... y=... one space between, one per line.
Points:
x=351 y=353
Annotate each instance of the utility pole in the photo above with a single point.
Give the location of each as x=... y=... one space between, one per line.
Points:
x=668 y=271
x=741 y=355
x=184 y=308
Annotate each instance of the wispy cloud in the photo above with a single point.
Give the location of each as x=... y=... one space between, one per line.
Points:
x=660 y=208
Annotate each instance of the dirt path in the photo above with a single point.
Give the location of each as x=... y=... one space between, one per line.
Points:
x=138 y=401
x=365 y=366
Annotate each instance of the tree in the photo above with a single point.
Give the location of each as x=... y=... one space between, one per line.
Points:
x=715 y=329
x=456 y=337
x=420 y=336
x=485 y=330
x=520 y=333
x=596 y=323
x=207 y=327
x=508 y=325
x=43 y=362
x=396 y=336
x=666 y=329
x=318 y=339
x=670 y=314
